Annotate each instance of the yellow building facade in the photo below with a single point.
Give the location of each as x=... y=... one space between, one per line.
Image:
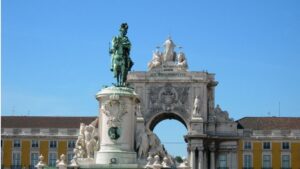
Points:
x=274 y=146
x=23 y=139
x=269 y=143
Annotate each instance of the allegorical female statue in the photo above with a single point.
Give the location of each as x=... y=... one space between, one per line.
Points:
x=121 y=62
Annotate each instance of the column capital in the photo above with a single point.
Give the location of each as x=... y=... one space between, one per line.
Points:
x=212 y=146
x=193 y=147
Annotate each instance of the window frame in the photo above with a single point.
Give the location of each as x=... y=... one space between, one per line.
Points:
x=245 y=143
x=219 y=160
x=71 y=142
x=263 y=145
x=14 y=144
x=34 y=152
x=251 y=160
x=12 y=158
x=52 y=141
x=289 y=145
x=266 y=154
x=49 y=158
x=38 y=144
x=290 y=160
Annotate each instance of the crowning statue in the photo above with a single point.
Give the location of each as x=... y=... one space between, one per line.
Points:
x=121 y=62
x=168 y=58
x=169 y=54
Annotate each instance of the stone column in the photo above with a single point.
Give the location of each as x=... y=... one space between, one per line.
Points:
x=200 y=159
x=212 y=156
x=193 y=158
x=212 y=160
x=204 y=159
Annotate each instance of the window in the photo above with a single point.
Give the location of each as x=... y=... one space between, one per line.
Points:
x=52 y=159
x=71 y=144
x=17 y=144
x=34 y=158
x=267 y=146
x=222 y=161
x=52 y=144
x=247 y=145
x=34 y=144
x=247 y=161
x=285 y=145
x=285 y=161
x=16 y=159
x=266 y=161
x=70 y=157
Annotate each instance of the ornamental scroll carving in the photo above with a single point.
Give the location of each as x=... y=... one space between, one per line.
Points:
x=114 y=109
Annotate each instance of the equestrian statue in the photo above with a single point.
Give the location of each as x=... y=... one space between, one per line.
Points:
x=121 y=62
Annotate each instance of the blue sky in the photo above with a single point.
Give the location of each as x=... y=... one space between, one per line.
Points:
x=55 y=53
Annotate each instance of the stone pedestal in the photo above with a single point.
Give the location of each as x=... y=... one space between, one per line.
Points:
x=117 y=126
x=196 y=124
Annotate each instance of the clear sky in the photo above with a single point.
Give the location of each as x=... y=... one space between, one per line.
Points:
x=55 y=52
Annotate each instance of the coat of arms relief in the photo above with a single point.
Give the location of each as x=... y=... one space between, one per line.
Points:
x=115 y=110
x=168 y=98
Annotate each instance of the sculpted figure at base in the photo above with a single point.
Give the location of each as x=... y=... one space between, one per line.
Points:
x=156 y=60
x=182 y=63
x=121 y=62
x=90 y=142
x=150 y=162
x=86 y=142
x=142 y=145
x=157 y=164
x=149 y=148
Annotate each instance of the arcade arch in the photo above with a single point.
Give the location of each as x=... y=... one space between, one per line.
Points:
x=171 y=133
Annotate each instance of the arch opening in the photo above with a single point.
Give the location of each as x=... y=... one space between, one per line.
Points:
x=171 y=129
x=163 y=116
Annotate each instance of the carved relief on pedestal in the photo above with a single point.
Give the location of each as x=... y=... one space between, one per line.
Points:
x=114 y=109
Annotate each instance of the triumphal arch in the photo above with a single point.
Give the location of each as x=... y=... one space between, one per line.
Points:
x=122 y=135
x=168 y=90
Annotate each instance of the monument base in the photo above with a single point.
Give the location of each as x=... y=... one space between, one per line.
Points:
x=117 y=157
x=111 y=166
x=117 y=111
